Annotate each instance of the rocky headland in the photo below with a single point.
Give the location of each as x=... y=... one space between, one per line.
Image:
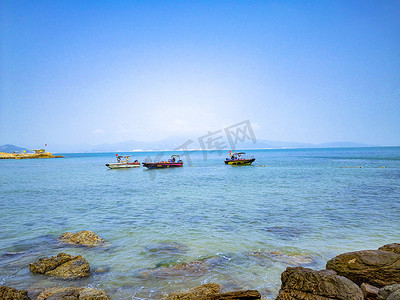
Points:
x=4 y=155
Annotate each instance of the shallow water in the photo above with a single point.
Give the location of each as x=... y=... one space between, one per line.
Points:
x=291 y=207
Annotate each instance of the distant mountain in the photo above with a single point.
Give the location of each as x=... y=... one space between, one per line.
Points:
x=178 y=143
x=277 y=144
x=12 y=148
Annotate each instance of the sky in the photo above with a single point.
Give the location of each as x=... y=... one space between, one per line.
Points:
x=94 y=72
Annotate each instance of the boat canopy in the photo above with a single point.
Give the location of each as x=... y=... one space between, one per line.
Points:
x=123 y=158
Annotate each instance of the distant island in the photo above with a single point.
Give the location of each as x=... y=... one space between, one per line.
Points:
x=14 y=152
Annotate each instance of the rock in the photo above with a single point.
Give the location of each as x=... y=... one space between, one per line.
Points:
x=9 y=293
x=286 y=233
x=386 y=291
x=376 y=267
x=236 y=295
x=292 y=260
x=370 y=292
x=395 y=247
x=171 y=248
x=72 y=293
x=47 y=264
x=203 y=290
x=63 y=265
x=394 y=296
x=212 y=291
x=84 y=238
x=194 y=268
x=101 y=270
x=307 y=284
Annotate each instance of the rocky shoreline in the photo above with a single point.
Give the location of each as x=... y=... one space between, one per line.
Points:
x=358 y=275
x=4 y=155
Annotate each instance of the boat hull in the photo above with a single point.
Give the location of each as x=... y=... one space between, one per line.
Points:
x=123 y=165
x=162 y=165
x=240 y=162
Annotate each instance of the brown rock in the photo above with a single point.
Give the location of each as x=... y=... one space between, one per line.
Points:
x=212 y=291
x=395 y=247
x=63 y=265
x=307 y=284
x=376 y=267
x=370 y=292
x=84 y=238
x=193 y=293
x=44 y=265
x=9 y=293
x=236 y=295
x=72 y=293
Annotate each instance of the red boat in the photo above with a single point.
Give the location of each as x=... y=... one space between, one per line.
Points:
x=174 y=162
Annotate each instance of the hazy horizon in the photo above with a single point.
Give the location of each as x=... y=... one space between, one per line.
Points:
x=76 y=73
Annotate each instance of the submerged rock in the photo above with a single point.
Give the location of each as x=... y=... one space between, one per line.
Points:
x=33 y=245
x=84 y=238
x=9 y=293
x=194 y=268
x=13 y=253
x=307 y=284
x=167 y=248
x=376 y=267
x=73 y=293
x=293 y=260
x=63 y=266
x=286 y=233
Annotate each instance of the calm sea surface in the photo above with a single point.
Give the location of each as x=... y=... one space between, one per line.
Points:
x=246 y=224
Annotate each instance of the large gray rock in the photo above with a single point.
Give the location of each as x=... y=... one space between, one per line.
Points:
x=63 y=266
x=390 y=290
x=394 y=296
x=376 y=267
x=9 y=293
x=307 y=284
x=72 y=293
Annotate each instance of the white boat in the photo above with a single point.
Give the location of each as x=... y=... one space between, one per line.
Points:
x=123 y=163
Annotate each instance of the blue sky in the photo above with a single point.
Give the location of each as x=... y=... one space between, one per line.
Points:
x=76 y=72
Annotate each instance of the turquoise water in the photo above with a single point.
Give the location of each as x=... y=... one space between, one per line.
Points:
x=308 y=205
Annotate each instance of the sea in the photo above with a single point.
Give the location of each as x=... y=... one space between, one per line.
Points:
x=172 y=229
